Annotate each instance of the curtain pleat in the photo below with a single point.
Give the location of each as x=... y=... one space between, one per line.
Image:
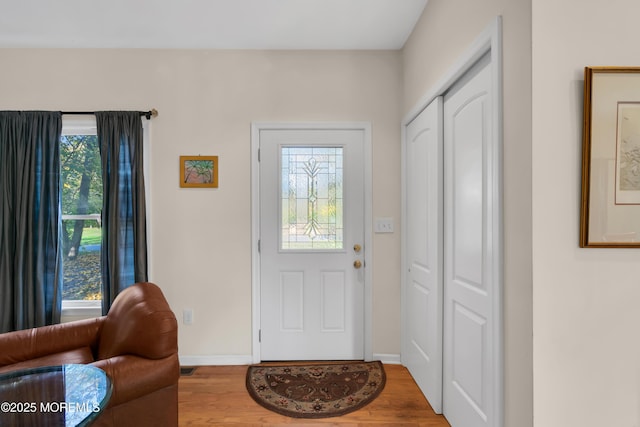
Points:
x=124 y=234
x=30 y=219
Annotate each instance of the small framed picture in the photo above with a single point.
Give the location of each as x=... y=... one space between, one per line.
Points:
x=610 y=205
x=199 y=171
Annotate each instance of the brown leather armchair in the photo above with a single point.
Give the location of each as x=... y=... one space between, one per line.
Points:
x=136 y=344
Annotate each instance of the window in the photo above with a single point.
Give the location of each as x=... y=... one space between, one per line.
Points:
x=311 y=197
x=81 y=204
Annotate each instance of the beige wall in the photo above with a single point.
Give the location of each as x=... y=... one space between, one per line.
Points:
x=446 y=30
x=586 y=317
x=200 y=239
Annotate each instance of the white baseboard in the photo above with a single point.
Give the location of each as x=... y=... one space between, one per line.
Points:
x=389 y=359
x=247 y=359
x=242 y=359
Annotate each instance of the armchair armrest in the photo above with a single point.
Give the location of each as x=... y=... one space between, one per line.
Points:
x=134 y=376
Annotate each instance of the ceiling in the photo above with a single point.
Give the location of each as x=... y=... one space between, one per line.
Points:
x=208 y=24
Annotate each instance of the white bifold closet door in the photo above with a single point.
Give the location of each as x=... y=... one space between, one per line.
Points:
x=452 y=223
x=422 y=352
x=469 y=358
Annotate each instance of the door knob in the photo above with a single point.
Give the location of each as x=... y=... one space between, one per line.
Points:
x=357 y=248
x=357 y=263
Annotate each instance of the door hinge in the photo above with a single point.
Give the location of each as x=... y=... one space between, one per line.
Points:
x=258 y=245
x=258 y=154
x=259 y=335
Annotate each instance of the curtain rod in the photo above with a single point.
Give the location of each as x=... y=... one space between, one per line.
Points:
x=148 y=114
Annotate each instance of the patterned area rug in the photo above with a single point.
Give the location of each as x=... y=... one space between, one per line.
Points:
x=316 y=390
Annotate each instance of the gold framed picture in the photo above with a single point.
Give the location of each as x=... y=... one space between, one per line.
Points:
x=199 y=171
x=610 y=195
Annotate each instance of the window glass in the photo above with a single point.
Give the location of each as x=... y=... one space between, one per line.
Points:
x=81 y=199
x=311 y=198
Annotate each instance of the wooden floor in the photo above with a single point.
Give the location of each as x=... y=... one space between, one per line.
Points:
x=217 y=396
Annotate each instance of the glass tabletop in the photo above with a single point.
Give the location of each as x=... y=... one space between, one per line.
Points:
x=66 y=395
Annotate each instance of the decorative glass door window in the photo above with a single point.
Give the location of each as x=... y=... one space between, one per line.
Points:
x=312 y=198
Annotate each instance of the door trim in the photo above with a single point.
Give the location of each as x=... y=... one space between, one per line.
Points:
x=488 y=42
x=256 y=127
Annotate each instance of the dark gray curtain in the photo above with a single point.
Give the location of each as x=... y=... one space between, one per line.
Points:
x=30 y=256
x=124 y=232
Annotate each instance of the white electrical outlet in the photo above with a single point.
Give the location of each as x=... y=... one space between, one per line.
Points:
x=383 y=225
x=187 y=316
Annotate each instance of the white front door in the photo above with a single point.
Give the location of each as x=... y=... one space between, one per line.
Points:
x=311 y=244
x=471 y=245
x=422 y=341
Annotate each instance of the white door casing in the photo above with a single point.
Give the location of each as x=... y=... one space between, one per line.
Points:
x=422 y=351
x=310 y=303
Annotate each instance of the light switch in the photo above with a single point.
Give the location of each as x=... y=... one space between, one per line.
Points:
x=383 y=225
